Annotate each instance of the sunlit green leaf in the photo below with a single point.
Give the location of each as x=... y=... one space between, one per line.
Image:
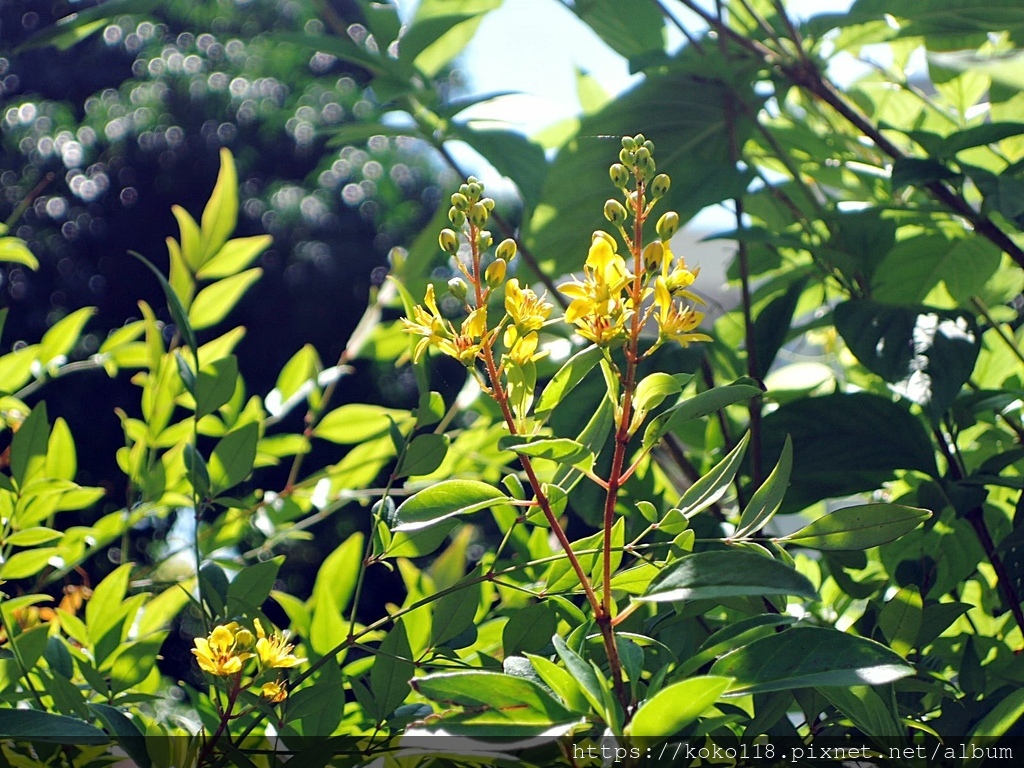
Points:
x=719 y=574
x=445 y=500
x=859 y=527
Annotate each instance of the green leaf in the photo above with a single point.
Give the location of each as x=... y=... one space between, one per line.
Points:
x=174 y=304
x=918 y=172
x=652 y=391
x=494 y=704
x=252 y=585
x=554 y=449
x=212 y=304
x=31 y=537
x=332 y=592
x=419 y=541
x=868 y=711
x=454 y=613
x=928 y=353
x=529 y=629
x=512 y=154
x=356 y=423
x=918 y=264
x=732 y=573
x=712 y=486
x=62 y=337
x=695 y=407
x=836 y=450
x=772 y=326
x=234 y=256
x=805 y=657
x=632 y=28
x=216 y=384
x=900 y=619
x=582 y=673
x=221 y=211
x=21 y=565
x=28 y=448
x=441 y=29
x=15 y=251
x=75 y=27
x=132 y=663
x=565 y=380
x=33 y=725
x=732 y=636
x=102 y=609
x=676 y=706
x=233 y=457
x=191 y=241
x=768 y=498
x=430 y=410
x=996 y=723
x=424 y=455
x=445 y=500
x=392 y=670
x=858 y=528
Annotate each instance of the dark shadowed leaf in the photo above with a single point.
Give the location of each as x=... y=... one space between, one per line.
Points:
x=732 y=573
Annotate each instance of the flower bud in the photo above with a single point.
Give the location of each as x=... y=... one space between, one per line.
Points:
x=649 y=146
x=484 y=240
x=628 y=143
x=653 y=255
x=488 y=203
x=244 y=640
x=642 y=155
x=448 y=241
x=464 y=190
x=668 y=225
x=495 y=273
x=478 y=214
x=506 y=249
x=626 y=157
x=460 y=201
x=619 y=175
x=615 y=212
x=457 y=287
x=600 y=233
x=456 y=217
x=639 y=139
x=660 y=185
x=475 y=189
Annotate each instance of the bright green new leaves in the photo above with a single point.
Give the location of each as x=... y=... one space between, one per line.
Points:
x=391 y=672
x=720 y=574
x=445 y=500
x=335 y=584
x=493 y=704
x=58 y=342
x=212 y=303
x=673 y=708
x=440 y=30
x=803 y=657
x=221 y=211
x=565 y=380
x=859 y=527
x=15 y=251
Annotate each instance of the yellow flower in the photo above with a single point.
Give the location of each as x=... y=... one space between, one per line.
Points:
x=273 y=692
x=274 y=650
x=527 y=310
x=599 y=306
x=219 y=653
x=675 y=322
x=430 y=325
x=522 y=349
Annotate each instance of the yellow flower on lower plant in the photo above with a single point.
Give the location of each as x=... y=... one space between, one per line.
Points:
x=273 y=650
x=675 y=322
x=527 y=310
x=220 y=653
x=273 y=692
x=522 y=349
x=429 y=324
x=600 y=304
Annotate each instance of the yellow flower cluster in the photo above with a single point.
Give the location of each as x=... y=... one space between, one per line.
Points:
x=600 y=304
x=676 y=321
x=463 y=345
x=228 y=647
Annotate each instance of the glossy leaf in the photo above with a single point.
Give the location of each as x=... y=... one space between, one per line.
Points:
x=719 y=574
x=836 y=450
x=554 y=449
x=356 y=423
x=713 y=484
x=804 y=657
x=445 y=500
x=14 y=250
x=58 y=342
x=34 y=725
x=215 y=385
x=332 y=591
x=494 y=704
x=768 y=498
x=234 y=256
x=424 y=455
x=900 y=619
x=212 y=303
x=28 y=448
x=696 y=407
x=565 y=380
x=251 y=586
x=221 y=211
x=454 y=613
x=859 y=527
x=392 y=670
x=676 y=706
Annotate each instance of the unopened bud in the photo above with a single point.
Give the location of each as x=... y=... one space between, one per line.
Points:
x=660 y=185
x=600 y=233
x=506 y=249
x=460 y=201
x=628 y=143
x=645 y=169
x=484 y=240
x=626 y=157
x=495 y=273
x=456 y=217
x=639 y=139
x=642 y=155
x=649 y=146
x=668 y=225
x=619 y=175
x=244 y=640
x=448 y=241
x=653 y=255
x=478 y=214
x=615 y=212
x=488 y=203
x=457 y=287
x=475 y=189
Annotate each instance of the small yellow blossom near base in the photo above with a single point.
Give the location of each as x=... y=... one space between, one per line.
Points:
x=274 y=650
x=273 y=692
x=221 y=654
